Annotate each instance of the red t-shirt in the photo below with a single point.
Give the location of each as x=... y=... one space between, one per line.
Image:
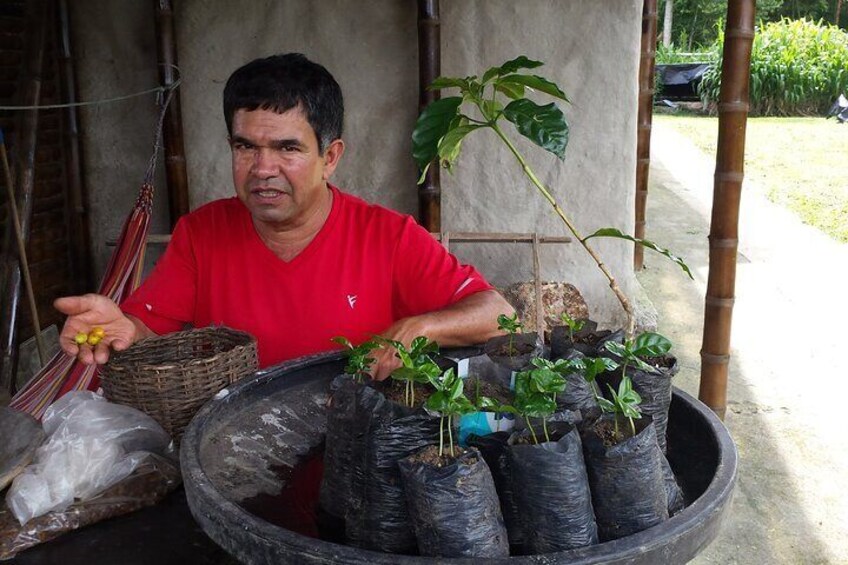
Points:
x=366 y=268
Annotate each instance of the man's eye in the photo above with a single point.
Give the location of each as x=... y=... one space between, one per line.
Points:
x=239 y=146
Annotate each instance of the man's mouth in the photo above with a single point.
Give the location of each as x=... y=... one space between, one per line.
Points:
x=267 y=193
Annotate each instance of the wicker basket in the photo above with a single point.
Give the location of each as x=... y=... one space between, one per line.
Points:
x=170 y=377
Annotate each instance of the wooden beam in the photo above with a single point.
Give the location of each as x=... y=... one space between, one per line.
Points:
x=727 y=192
x=172 y=133
x=644 y=120
x=429 y=67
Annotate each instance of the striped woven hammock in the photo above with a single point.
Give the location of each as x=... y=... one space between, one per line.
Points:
x=64 y=373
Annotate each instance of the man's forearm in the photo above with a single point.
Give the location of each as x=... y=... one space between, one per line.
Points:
x=470 y=321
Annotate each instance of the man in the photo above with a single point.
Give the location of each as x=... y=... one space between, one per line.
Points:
x=292 y=259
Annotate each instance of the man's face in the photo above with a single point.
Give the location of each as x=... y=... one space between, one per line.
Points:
x=278 y=172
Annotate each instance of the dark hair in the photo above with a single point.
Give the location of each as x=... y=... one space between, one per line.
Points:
x=282 y=82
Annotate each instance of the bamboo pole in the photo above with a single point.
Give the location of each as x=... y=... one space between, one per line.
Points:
x=645 y=117
x=78 y=228
x=727 y=192
x=27 y=130
x=429 y=67
x=175 y=161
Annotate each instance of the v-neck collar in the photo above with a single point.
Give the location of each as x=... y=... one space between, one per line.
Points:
x=310 y=248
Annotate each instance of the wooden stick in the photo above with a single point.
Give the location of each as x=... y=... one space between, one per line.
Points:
x=19 y=237
x=429 y=67
x=644 y=120
x=724 y=224
x=537 y=283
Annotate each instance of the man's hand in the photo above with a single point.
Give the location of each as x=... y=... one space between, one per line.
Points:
x=404 y=331
x=88 y=312
x=470 y=321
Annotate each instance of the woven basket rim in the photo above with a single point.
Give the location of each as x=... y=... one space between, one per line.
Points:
x=153 y=342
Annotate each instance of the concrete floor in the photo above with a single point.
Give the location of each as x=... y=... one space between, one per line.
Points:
x=787 y=365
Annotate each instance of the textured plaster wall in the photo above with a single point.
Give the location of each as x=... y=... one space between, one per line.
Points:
x=590 y=49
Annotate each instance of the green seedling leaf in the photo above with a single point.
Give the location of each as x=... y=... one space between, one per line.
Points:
x=432 y=125
x=358 y=360
x=509 y=324
x=520 y=62
x=451 y=143
x=596 y=366
x=532 y=81
x=651 y=344
x=613 y=232
x=536 y=406
x=447 y=82
x=543 y=125
x=626 y=353
x=510 y=90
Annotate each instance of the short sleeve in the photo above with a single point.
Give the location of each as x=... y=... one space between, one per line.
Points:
x=166 y=300
x=426 y=276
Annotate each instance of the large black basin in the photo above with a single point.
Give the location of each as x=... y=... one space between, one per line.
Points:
x=240 y=444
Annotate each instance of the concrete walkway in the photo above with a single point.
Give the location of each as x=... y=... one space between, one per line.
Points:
x=786 y=407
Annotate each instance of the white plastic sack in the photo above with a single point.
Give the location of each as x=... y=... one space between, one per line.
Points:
x=91 y=445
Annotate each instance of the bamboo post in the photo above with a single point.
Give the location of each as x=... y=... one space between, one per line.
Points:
x=27 y=122
x=645 y=117
x=724 y=224
x=78 y=228
x=175 y=161
x=429 y=67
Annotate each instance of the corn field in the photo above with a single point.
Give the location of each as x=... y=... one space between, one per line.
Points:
x=798 y=68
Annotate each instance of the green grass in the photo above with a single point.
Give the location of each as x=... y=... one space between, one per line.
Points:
x=800 y=163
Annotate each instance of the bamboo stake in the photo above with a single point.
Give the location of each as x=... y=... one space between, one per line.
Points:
x=645 y=118
x=429 y=67
x=19 y=237
x=730 y=158
x=175 y=160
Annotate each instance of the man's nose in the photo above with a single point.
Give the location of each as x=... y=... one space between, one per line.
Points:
x=265 y=163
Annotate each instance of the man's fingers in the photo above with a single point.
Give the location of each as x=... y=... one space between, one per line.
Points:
x=101 y=353
x=73 y=305
x=119 y=344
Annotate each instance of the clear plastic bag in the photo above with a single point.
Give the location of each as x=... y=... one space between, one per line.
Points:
x=91 y=445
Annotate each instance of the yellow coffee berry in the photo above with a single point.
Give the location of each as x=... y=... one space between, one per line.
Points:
x=98 y=331
x=93 y=339
x=81 y=338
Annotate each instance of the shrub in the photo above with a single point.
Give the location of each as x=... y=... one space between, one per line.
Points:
x=798 y=67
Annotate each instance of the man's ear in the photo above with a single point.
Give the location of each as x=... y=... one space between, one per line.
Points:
x=332 y=155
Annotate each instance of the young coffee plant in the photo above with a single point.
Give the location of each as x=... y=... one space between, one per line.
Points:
x=511 y=326
x=535 y=393
x=449 y=403
x=416 y=365
x=445 y=123
x=645 y=346
x=625 y=402
x=572 y=324
x=591 y=367
x=358 y=360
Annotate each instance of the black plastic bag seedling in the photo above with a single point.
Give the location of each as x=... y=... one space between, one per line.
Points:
x=626 y=478
x=654 y=387
x=386 y=432
x=514 y=351
x=578 y=395
x=552 y=490
x=493 y=448
x=454 y=508
x=335 y=484
x=588 y=340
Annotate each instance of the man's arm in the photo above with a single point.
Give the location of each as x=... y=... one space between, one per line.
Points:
x=469 y=321
x=90 y=311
